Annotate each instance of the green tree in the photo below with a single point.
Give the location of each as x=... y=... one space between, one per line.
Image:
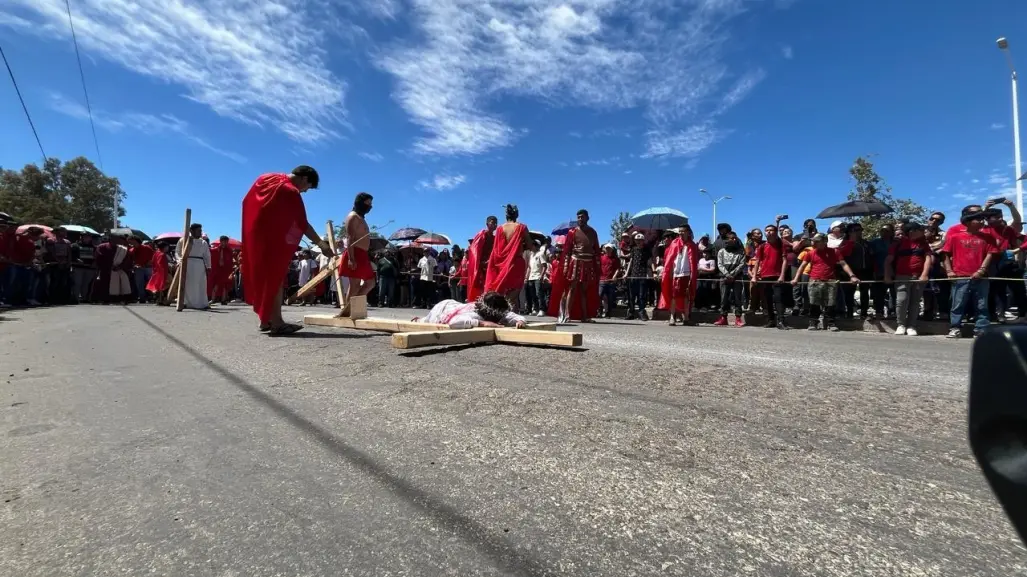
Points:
x=869 y=186
x=621 y=223
x=75 y=192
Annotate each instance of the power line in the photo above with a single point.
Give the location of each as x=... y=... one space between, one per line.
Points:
x=82 y=76
x=23 y=106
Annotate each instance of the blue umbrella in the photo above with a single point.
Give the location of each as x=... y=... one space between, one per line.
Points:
x=659 y=218
x=564 y=227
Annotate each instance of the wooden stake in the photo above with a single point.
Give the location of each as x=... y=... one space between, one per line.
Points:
x=317 y=279
x=183 y=261
x=338 y=278
x=474 y=336
x=391 y=325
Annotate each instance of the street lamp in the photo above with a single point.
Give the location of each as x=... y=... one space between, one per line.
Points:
x=714 y=201
x=1003 y=45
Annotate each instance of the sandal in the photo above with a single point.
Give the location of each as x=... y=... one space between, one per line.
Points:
x=284 y=329
x=264 y=328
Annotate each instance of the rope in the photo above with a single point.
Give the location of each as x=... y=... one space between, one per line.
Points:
x=82 y=76
x=23 y=106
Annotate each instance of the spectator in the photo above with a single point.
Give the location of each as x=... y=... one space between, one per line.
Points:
x=823 y=282
x=731 y=264
x=142 y=260
x=968 y=252
x=911 y=259
x=83 y=266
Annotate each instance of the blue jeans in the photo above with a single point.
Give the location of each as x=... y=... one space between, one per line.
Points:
x=142 y=278
x=636 y=296
x=962 y=293
x=386 y=291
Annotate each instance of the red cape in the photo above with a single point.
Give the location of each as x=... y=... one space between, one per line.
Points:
x=219 y=275
x=560 y=284
x=667 y=281
x=475 y=277
x=507 y=267
x=159 y=280
x=273 y=222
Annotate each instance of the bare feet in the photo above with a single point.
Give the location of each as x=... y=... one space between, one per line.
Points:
x=344 y=312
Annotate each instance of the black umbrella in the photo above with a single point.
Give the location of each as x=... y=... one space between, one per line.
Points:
x=407 y=234
x=855 y=208
x=377 y=242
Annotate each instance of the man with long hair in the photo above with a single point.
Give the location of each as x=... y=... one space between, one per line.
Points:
x=491 y=310
x=356 y=262
x=477 y=261
x=507 y=266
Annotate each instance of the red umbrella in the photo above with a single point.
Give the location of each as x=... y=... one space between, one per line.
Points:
x=433 y=238
x=47 y=231
x=234 y=244
x=168 y=235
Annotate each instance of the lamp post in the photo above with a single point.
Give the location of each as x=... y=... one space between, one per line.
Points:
x=714 y=201
x=1003 y=45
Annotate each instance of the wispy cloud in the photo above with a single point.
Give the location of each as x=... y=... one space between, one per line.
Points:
x=443 y=182
x=942 y=186
x=787 y=52
x=263 y=64
x=997 y=126
x=688 y=142
x=965 y=196
x=662 y=57
x=163 y=124
x=998 y=178
x=372 y=156
x=613 y=160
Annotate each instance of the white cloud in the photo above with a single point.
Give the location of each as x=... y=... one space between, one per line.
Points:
x=443 y=182
x=163 y=124
x=574 y=134
x=974 y=181
x=264 y=64
x=372 y=156
x=688 y=142
x=943 y=186
x=664 y=58
x=997 y=126
x=599 y=161
x=1001 y=179
x=787 y=52
x=965 y=196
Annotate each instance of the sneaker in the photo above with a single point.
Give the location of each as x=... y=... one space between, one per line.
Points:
x=813 y=326
x=900 y=330
x=540 y=314
x=721 y=321
x=911 y=332
x=833 y=328
x=782 y=327
x=954 y=333
x=739 y=321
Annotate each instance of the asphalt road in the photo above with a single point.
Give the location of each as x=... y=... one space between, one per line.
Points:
x=143 y=441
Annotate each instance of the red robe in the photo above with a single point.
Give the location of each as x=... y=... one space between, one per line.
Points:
x=476 y=268
x=273 y=222
x=220 y=276
x=507 y=266
x=561 y=284
x=667 y=281
x=160 y=280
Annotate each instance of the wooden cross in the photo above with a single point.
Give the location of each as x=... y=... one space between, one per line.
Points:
x=177 y=286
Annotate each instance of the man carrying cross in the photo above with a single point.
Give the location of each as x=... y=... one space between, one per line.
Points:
x=356 y=262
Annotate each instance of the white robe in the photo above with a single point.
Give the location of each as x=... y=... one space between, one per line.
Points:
x=119 y=284
x=198 y=263
x=463 y=316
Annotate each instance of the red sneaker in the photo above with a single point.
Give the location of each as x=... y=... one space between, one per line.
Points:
x=721 y=321
x=739 y=322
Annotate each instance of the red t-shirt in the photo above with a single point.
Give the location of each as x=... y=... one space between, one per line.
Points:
x=770 y=256
x=968 y=250
x=1007 y=237
x=608 y=266
x=822 y=263
x=142 y=256
x=910 y=256
x=23 y=250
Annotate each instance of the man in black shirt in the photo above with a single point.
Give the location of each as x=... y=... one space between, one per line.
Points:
x=638 y=275
x=387 y=280
x=83 y=268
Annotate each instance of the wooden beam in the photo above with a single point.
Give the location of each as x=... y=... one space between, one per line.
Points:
x=335 y=271
x=317 y=279
x=371 y=324
x=531 y=337
x=543 y=326
x=183 y=261
x=443 y=338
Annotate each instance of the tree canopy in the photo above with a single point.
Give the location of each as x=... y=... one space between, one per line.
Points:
x=869 y=186
x=75 y=192
x=621 y=223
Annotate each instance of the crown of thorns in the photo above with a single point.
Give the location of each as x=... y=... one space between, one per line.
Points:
x=487 y=312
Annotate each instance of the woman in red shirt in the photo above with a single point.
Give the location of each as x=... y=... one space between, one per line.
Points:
x=912 y=259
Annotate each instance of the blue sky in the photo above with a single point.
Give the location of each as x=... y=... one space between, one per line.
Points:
x=447 y=109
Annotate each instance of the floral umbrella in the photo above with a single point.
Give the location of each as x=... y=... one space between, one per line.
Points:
x=232 y=243
x=407 y=234
x=47 y=231
x=433 y=238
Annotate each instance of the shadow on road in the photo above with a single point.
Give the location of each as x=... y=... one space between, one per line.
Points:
x=502 y=553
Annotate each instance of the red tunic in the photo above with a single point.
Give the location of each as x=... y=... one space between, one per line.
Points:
x=273 y=222
x=159 y=281
x=667 y=281
x=561 y=283
x=222 y=262
x=477 y=264
x=507 y=266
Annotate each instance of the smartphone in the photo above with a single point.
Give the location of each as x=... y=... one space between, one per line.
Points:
x=998 y=200
x=782 y=217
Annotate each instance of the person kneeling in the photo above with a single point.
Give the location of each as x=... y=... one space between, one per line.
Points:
x=491 y=310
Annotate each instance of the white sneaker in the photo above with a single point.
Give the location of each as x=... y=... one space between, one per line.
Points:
x=900 y=330
x=540 y=314
x=911 y=332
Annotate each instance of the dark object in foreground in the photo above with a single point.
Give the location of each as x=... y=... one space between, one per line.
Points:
x=998 y=417
x=855 y=208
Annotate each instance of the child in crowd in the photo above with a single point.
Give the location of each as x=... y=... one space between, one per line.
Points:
x=731 y=263
x=823 y=285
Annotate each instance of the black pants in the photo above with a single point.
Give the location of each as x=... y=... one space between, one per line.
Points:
x=426 y=293
x=59 y=290
x=731 y=297
x=532 y=290
x=773 y=297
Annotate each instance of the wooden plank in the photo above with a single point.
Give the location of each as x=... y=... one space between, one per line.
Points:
x=357 y=307
x=371 y=324
x=443 y=338
x=543 y=326
x=335 y=270
x=317 y=279
x=183 y=261
x=532 y=337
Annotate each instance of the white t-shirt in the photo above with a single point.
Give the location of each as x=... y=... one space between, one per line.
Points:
x=537 y=265
x=707 y=265
x=305 y=270
x=427 y=266
x=682 y=265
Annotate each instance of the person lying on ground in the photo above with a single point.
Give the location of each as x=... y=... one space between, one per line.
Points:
x=491 y=310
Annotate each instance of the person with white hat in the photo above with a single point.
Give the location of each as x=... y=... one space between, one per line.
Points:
x=680 y=276
x=637 y=276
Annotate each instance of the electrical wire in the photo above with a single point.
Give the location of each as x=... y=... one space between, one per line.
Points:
x=23 y=106
x=85 y=91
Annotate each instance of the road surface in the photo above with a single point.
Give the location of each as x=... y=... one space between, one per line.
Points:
x=143 y=441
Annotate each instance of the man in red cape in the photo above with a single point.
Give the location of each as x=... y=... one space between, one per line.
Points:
x=273 y=222
x=508 y=267
x=678 y=292
x=477 y=258
x=576 y=290
x=219 y=280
